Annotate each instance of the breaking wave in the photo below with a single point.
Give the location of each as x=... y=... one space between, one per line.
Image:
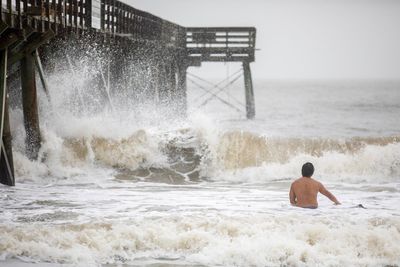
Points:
x=257 y=240
x=190 y=154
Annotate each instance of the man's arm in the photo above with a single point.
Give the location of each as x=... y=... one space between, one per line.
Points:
x=328 y=194
x=292 y=196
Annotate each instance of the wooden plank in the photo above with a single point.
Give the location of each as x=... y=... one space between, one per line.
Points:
x=221 y=29
x=203 y=37
x=227 y=42
x=196 y=61
x=216 y=50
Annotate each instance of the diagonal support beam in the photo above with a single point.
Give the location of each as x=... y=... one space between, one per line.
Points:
x=42 y=76
x=216 y=97
x=221 y=89
x=217 y=85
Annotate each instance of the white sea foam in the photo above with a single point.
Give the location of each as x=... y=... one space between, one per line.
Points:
x=253 y=240
x=90 y=199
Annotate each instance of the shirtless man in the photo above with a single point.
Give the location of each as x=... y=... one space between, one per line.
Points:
x=304 y=191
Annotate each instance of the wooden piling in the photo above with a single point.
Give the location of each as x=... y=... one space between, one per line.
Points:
x=3 y=87
x=6 y=159
x=248 y=83
x=30 y=107
x=7 y=143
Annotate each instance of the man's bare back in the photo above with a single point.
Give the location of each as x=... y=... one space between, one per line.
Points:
x=303 y=192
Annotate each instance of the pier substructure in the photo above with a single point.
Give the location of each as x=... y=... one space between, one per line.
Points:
x=221 y=44
x=163 y=51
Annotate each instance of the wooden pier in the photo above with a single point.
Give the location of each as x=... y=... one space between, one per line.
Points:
x=30 y=26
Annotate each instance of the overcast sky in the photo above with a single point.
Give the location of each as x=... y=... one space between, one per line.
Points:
x=303 y=39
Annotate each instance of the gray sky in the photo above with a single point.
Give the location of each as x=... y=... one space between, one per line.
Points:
x=302 y=39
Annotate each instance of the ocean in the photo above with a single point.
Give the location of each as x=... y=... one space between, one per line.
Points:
x=136 y=185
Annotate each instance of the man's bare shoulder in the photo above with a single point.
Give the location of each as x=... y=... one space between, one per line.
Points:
x=297 y=180
x=302 y=180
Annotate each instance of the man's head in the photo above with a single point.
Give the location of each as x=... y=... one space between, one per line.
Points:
x=307 y=170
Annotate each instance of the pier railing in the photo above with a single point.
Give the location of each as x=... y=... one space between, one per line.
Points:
x=107 y=16
x=47 y=14
x=123 y=20
x=218 y=44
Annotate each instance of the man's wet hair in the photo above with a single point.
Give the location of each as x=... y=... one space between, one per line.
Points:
x=307 y=170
